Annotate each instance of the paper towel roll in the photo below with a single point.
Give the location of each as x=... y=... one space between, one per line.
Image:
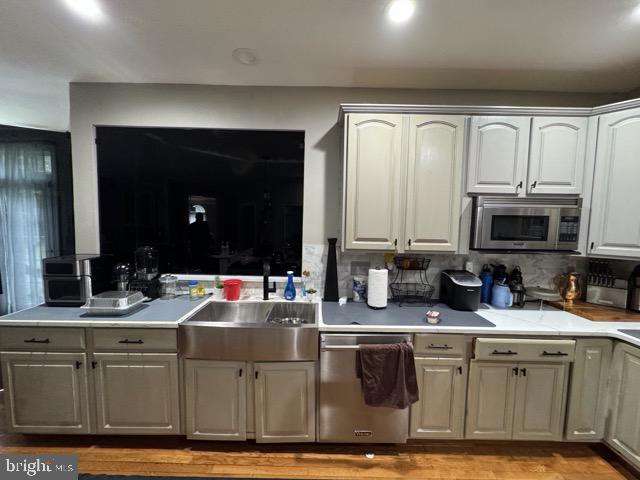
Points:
x=378 y=287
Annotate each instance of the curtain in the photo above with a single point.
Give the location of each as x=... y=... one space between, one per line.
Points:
x=28 y=221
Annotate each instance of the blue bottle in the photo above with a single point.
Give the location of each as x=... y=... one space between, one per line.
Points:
x=289 y=289
x=487 y=284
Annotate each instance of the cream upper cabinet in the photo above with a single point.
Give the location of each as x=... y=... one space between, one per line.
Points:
x=587 y=397
x=285 y=402
x=372 y=181
x=490 y=400
x=440 y=411
x=137 y=393
x=45 y=392
x=615 y=225
x=402 y=182
x=215 y=400
x=539 y=405
x=623 y=433
x=557 y=155
x=434 y=177
x=498 y=149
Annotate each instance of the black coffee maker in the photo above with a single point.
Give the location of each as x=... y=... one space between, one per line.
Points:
x=517 y=287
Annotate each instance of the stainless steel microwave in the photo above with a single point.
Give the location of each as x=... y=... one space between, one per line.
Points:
x=539 y=224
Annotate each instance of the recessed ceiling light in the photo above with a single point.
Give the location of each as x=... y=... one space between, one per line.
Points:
x=400 y=10
x=245 y=56
x=89 y=9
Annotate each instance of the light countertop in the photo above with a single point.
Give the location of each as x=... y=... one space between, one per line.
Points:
x=159 y=313
x=530 y=321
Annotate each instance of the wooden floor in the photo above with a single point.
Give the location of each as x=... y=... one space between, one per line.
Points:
x=176 y=456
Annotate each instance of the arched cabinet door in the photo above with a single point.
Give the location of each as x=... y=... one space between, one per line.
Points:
x=434 y=178
x=373 y=171
x=498 y=148
x=556 y=160
x=615 y=223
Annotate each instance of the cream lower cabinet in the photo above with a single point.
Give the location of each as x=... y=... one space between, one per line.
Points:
x=46 y=392
x=137 y=393
x=440 y=411
x=587 y=401
x=285 y=400
x=402 y=182
x=490 y=399
x=614 y=229
x=215 y=400
x=623 y=430
x=518 y=401
x=222 y=397
x=539 y=402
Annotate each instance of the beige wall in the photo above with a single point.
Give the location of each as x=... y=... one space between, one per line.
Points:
x=314 y=110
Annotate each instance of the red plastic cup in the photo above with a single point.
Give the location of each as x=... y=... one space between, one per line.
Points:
x=232 y=289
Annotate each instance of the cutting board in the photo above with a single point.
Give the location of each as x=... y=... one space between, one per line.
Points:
x=597 y=313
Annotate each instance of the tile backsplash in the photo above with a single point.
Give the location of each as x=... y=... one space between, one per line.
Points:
x=538 y=269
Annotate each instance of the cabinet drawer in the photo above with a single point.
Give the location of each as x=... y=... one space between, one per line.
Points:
x=518 y=349
x=134 y=339
x=42 y=339
x=439 y=345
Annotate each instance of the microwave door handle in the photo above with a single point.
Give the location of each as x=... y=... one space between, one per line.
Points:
x=554 y=229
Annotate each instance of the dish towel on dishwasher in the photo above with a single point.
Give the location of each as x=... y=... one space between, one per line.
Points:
x=387 y=374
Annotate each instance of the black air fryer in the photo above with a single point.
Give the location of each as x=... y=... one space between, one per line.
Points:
x=460 y=289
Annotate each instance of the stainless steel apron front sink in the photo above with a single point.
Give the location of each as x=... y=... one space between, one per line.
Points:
x=251 y=331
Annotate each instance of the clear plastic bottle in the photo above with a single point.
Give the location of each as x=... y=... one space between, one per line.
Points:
x=289 y=289
x=193 y=290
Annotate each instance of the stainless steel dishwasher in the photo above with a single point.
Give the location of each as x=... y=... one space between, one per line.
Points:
x=344 y=417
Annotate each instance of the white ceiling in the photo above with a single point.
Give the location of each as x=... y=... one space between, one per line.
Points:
x=546 y=45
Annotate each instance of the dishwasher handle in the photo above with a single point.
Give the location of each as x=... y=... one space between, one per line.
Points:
x=348 y=348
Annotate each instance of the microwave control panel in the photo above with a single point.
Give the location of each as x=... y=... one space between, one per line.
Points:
x=568 y=231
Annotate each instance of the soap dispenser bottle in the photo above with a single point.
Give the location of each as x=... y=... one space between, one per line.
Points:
x=289 y=289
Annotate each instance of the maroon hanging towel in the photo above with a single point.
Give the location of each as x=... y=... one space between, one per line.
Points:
x=388 y=375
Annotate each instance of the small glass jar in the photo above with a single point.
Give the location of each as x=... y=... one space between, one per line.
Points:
x=194 y=290
x=168 y=284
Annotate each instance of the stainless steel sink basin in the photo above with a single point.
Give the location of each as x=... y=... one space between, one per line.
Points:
x=251 y=331
x=257 y=314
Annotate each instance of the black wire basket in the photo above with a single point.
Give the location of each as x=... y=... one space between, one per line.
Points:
x=407 y=293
